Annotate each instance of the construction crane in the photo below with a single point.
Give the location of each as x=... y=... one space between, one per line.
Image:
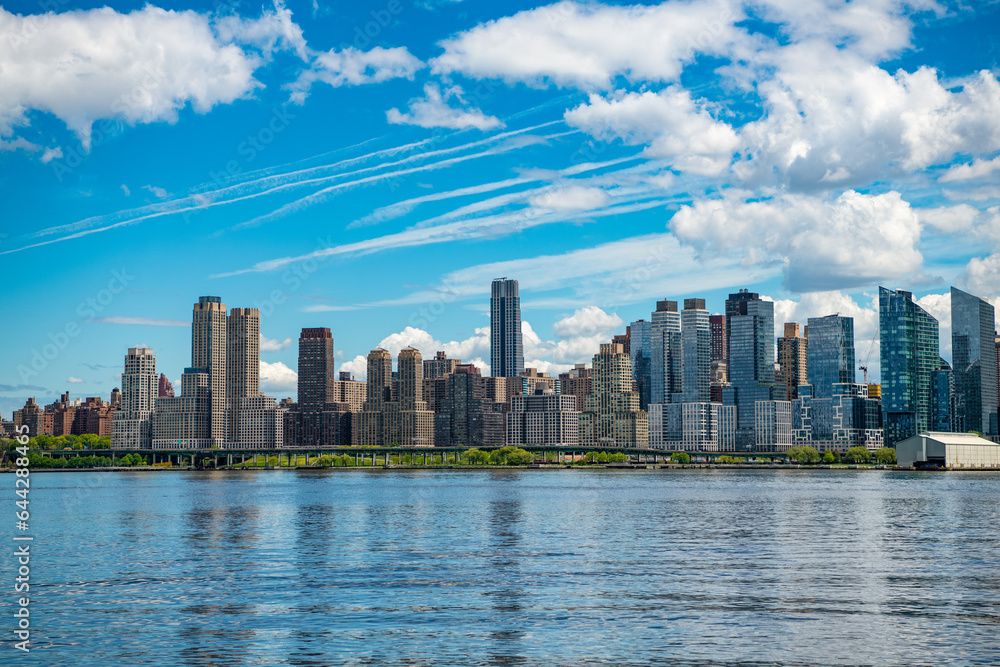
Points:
x=868 y=355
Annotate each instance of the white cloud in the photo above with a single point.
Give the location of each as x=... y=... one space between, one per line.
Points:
x=273 y=31
x=352 y=67
x=974 y=170
x=674 y=126
x=435 y=110
x=854 y=240
x=274 y=345
x=588 y=45
x=571 y=198
x=74 y=380
x=358 y=367
x=588 y=321
x=981 y=276
x=125 y=189
x=949 y=219
x=156 y=191
x=141 y=67
x=51 y=154
x=277 y=377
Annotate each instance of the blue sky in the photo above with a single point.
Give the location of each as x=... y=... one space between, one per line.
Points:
x=370 y=167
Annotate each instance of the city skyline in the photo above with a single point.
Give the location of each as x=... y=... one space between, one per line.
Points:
x=371 y=168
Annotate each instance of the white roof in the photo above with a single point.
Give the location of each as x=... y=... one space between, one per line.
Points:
x=958 y=438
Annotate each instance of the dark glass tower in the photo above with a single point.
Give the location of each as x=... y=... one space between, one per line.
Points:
x=830 y=353
x=506 y=347
x=909 y=348
x=974 y=363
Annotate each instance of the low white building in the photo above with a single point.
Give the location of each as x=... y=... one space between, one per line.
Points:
x=948 y=450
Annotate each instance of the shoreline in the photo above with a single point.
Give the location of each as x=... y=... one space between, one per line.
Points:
x=464 y=468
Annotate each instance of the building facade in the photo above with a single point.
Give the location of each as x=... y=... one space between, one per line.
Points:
x=831 y=353
x=974 y=363
x=131 y=425
x=611 y=415
x=506 y=344
x=542 y=419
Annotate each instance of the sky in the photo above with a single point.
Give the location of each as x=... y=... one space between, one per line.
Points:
x=371 y=166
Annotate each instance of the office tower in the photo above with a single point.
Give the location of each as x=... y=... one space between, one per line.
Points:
x=611 y=413
x=165 y=387
x=543 y=418
x=466 y=415
x=640 y=350
x=131 y=425
x=909 y=356
x=696 y=353
x=973 y=348
x=208 y=352
x=665 y=352
x=792 y=360
x=439 y=366
x=831 y=353
x=943 y=405
x=750 y=360
x=718 y=326
x=506 y=348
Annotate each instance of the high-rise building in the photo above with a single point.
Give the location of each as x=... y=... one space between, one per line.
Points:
x=31 y=416
x=186 y=421
x=831 y=353
x=131 y=427
x=909 y=357
x=165 y=388
x=466 y=415
x=773 y=426
x=316 y=369
x=665 y=352
x=696 y=353
x=405 y=421
x=439 y=366
x=792 y=360
x=318 y=418
x=692 y=427
x=243 y=369
x=116 y=398
x=577 y=382
x=208 y=352
x=973 y=348
x=718 y=326
x=640 y=350
x=943 y=405
x=849 y=417
x=611 y=413
x=506 y=346
x=750 y=359
x=531 y=379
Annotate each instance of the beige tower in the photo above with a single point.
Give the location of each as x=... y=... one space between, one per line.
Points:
x=208 y=352
x=242 y=361
x=611 y=413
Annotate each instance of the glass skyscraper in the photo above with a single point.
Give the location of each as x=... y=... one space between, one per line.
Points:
x=506 y=346
x=665 y=344
x=974 y=363
x=830 y=354
x=640 y=349
x=750 y=355
x=909 y=358
x=696 y=352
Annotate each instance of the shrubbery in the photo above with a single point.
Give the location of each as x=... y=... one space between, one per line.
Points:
x=804 y=455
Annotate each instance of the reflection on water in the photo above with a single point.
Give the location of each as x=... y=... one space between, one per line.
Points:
x=515 y=567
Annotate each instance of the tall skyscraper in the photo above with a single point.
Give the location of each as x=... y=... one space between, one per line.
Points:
x=973 y=350
x=140 y=385
x=506 y=346
x=208 y=352
x=792 y=361
x=320 y=417
x=696 y=352
x=750 y=359
x=316 y=368
x=831 y=353
x=405 y=421
x=665 y=352
x=718 y=325
x=909 y=358
x=242 y=364
x=640 y=350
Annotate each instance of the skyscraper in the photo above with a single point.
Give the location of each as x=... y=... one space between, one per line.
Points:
x=831 y=353
x=696 y=352
x=506 y=347
x=611 y=414
x=750 y=359
x=974 y=362
x=208 y=353
x=792 y=361
x=140 y=386
x=665 y=352
x=909 y=358
x=319 y=417
x=316 y=368
x=242 y=362
x=640 y=350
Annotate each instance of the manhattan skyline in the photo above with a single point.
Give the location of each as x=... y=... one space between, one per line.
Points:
x=376 y=182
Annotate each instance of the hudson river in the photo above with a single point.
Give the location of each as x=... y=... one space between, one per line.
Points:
x=567 y=567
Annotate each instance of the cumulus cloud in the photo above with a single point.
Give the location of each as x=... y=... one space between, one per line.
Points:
x=51 y=154
x=277 y=377
x=854 y=240
x=675 y=127
x=140 y=67
x=353 y=67
x=571 y=198
x=588 y=45
x=74 y=380
x=974 y=170
x=273 y=344
x=156 y=191
x=435 y=109
x=358 y=367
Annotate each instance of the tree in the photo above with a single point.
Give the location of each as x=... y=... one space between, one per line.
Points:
x=510 y=456
x=828 y=457
x=680 y=457
x=804 y=455
x=886 y=455
x=477 y=457
x=858 y=455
